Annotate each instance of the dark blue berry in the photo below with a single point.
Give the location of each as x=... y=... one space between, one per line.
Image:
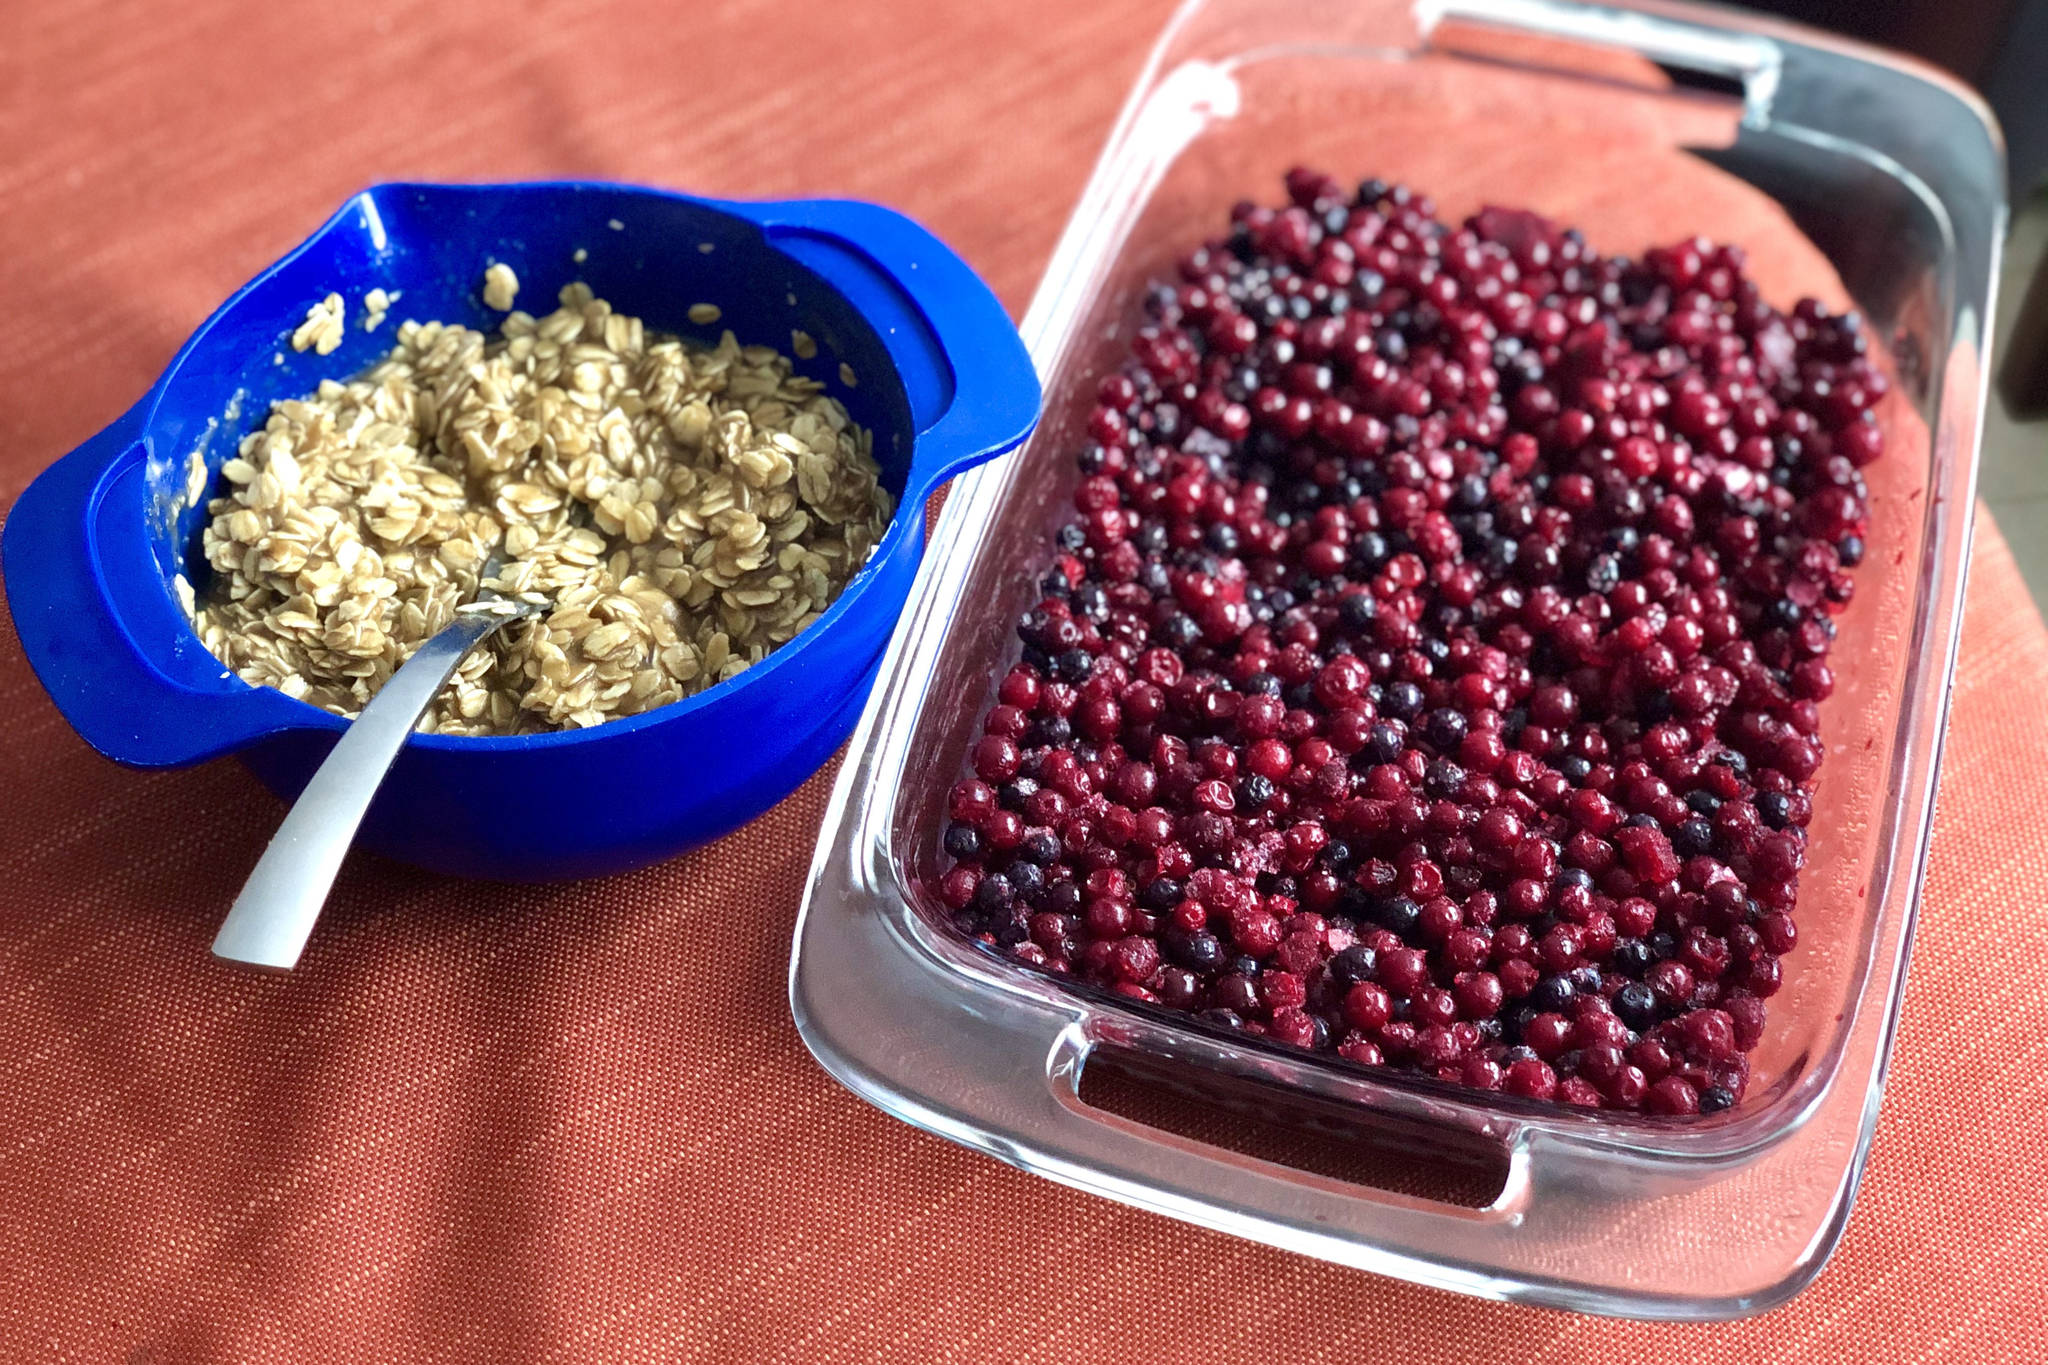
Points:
x=1357 y=611
x=1631 y=957
x=1399 y=914
x=1382 y=744
x=1775 y=808
x=1404 y=701
x=1353 y=965
x=994 y=894
x=1025 y=878
x=1693 y=838
x=1636 y=1005
x=1552 y=993
x=1161 y=893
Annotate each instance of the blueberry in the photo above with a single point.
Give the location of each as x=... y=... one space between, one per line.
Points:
x=1693 y=838
x=1180 y=631
x=994 y=894
x=1775 y=808
x=1404 y=701
x=1636 y=1005
x=1353 y=965
x=1552 y=993
x=1160 y=894
x=1382 y=744
x=1040 y=846
x=1400 y=914
x=1631 y=957
x=1049 y=732
x=1442 y=779
x=1025 y=878
x=1445 y=729
x=1200 y=951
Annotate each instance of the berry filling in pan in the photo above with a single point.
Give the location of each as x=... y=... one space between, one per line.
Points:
x=1430 y=672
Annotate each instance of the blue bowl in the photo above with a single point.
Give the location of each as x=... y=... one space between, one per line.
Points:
x=91 y=549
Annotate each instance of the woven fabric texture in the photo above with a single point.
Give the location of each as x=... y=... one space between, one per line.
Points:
x=575 y=1123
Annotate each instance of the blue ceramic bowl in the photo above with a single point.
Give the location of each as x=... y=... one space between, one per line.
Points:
x=90 y=550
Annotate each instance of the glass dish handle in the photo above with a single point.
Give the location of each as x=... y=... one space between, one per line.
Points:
x=1561 y=1201
x=1749 y=60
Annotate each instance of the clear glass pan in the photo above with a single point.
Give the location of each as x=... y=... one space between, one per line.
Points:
x=1852 y=175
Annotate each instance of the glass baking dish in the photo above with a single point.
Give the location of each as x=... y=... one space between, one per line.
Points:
x=1849 y=174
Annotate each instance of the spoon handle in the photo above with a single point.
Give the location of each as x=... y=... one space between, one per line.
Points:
x=273 y=916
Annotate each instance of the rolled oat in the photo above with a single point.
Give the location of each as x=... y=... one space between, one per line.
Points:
x=321 y=331
x=684 y=509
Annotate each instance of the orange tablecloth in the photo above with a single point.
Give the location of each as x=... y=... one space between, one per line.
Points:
x=575 y=1123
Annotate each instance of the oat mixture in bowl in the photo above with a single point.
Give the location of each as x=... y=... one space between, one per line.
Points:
x=685 y=509
x=599 y=453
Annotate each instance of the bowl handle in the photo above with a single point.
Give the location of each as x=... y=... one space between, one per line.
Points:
x=974 y=392
x=98 y=624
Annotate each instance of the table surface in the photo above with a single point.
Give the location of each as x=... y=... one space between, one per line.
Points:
x=575 y=1123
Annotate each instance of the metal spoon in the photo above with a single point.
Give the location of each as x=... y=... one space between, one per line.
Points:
x=271 y=919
